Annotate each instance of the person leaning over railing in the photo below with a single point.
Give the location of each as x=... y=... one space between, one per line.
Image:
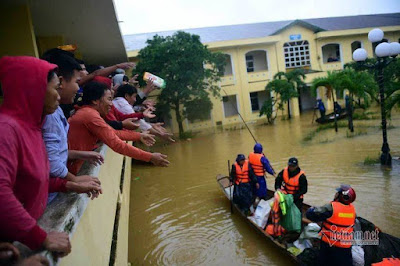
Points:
x=55 y=127
x=30 y=93
x=115 y=118
x=124 y=100
x=87 y=127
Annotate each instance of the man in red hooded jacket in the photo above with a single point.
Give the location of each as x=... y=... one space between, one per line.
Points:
x=30 y=92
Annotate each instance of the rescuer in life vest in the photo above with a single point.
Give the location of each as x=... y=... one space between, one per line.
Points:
x=260 y=164
x=338 y=218
x=292 y=180
x=242 y=175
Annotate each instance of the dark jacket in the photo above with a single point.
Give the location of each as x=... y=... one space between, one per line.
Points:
x=320 y=214
x=303 y=184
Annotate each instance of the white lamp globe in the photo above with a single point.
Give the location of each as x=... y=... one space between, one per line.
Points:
x=394 y=48
x=375 y=35
x=360 y=55
x=383 y=49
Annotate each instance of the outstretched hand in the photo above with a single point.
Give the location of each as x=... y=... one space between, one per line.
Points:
x=147 y=139
x=159 y=159
x=167 y=137
x=130 y=123
x=148 y=113
x=149 y=87
x=133 y=80
x=126 y=65
x=93 y=157
x=92 y=188
x=159 y=127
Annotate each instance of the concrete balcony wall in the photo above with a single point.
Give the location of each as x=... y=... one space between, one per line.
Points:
x=227 y=80
x=257 y=76
x=98 y=232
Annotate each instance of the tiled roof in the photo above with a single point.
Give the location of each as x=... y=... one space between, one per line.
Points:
x=258 y=30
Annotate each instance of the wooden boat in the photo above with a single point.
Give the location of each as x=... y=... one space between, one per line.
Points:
x=331 y=117
x=223 y=182
x=227 y=189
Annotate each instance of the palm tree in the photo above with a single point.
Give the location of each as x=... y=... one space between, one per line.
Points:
x=294 y=81
x=330 y=82
x=360 y=84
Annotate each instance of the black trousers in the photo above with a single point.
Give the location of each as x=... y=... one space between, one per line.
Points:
x=334 y=256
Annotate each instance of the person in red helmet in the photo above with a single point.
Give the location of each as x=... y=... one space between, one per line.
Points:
x=338 y=218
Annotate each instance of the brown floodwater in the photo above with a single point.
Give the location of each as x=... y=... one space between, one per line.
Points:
x=179 y=216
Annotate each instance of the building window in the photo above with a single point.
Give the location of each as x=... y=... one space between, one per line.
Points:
x=254 y=101
x=257 y=100
x=297 y=54
x=228 y=66
x=230 y=105
x=256 y=61
x=250 y=63
x=355 y=45
x=331 y=53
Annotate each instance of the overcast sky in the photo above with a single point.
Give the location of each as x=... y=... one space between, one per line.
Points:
x=160 y=15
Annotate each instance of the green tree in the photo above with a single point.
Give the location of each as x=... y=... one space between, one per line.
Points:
x=391 y=77
x=190 y=70
x=285 y=85
x=360 y=85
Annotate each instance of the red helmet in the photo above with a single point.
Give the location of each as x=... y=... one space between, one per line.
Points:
x=347 y=194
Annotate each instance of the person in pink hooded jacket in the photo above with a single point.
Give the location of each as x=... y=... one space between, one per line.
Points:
x=30 y=92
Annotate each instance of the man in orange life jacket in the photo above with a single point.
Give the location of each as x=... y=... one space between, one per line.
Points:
x=292 y=180
x=242 y=175
x=338 y=218
x=260 y=164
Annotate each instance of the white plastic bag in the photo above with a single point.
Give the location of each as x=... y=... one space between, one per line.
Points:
x=262 y=213
x=302 y=244
x=310 y=231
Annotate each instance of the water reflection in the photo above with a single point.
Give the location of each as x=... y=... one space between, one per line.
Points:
x=179 y=217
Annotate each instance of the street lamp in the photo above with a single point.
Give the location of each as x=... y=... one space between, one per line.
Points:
x=383 y=52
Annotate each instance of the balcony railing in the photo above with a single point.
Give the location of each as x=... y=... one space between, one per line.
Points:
x=257 y=76
x=227 y=80
x=332 y=66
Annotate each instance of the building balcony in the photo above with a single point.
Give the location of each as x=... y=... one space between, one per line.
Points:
x=257 y=76
x=332 y=66
x=228 y=80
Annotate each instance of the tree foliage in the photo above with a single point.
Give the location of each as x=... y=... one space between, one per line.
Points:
x=285 y=85
x=360 y=84
x=391 y=77
x=190 y=70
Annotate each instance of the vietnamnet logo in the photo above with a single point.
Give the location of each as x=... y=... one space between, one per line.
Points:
x=346 y=236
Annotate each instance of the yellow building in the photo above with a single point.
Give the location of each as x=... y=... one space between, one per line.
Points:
x=256 y=52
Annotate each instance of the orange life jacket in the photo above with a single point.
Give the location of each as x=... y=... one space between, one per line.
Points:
x=255 y=161
x=242 y=173
x=291 y=185
x=337 y=230
x=275 y=229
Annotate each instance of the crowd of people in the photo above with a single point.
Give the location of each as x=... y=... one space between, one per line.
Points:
x=55 y=113
x=337 y=218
